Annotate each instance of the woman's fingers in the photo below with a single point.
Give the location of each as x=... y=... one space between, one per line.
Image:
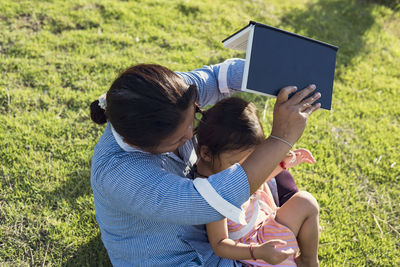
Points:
x=312 y=108
x=299 y=96
x=298 y=99
x=307 y=103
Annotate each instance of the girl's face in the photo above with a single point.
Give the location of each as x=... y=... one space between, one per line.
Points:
x=226 y=159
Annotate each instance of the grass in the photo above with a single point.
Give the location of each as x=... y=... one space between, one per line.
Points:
x=58 y=56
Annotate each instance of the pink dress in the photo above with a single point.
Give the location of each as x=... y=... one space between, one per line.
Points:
x=261 y=226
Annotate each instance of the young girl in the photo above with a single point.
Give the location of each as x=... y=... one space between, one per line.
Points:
x=259 y=234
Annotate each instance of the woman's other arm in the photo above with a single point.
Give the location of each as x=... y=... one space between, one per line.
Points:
x=140 y=188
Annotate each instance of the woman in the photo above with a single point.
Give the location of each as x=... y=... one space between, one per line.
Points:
x=148 y=213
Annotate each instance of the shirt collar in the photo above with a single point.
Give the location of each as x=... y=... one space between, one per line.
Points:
x=129 y=148
x=124 y=145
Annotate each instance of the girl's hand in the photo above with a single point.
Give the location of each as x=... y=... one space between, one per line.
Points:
x=298 y=156
x=270 y=252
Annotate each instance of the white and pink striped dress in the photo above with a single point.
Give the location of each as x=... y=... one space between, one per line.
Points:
x=261 y=226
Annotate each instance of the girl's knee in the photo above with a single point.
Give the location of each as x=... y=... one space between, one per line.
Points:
x=308 y=201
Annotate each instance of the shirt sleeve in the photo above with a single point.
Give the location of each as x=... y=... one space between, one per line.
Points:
x=216 y=82
x=146 y=191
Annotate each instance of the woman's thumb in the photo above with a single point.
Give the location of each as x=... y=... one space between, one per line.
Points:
x=284 y=93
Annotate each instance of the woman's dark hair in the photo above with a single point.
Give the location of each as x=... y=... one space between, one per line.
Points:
x=230 y=124
x=145 y=104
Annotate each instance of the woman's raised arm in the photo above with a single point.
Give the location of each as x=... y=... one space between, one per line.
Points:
x=216 y=82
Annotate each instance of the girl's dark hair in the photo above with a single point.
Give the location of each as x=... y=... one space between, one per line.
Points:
x=230 y=124
x=145 y=104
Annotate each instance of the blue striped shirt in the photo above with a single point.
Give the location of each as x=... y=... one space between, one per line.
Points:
x=147 y=208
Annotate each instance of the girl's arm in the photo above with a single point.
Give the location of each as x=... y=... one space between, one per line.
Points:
x=223 y=246
x=227 y=248
x=274 y=173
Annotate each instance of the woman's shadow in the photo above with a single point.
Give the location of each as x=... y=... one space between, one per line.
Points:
x=77 y=185
x=91 y=254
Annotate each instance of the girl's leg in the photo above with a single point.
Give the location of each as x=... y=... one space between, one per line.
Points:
x=301 y=214
x=286 y=186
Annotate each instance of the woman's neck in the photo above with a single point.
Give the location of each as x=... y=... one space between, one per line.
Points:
x=203 y=169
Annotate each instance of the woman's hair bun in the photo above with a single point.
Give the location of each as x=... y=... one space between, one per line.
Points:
x=97 y=114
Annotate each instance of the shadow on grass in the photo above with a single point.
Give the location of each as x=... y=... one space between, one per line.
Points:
x=393 y=4
x=76 y=185
x=91 y=254
x=339 y=22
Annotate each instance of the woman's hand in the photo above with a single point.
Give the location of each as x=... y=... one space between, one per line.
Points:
x=298 y=156
x=270 y=252
x=290 y=115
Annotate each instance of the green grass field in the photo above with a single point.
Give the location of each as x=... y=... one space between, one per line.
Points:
x=57 y=56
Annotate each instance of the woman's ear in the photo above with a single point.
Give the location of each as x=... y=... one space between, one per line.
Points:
x=205 y=154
